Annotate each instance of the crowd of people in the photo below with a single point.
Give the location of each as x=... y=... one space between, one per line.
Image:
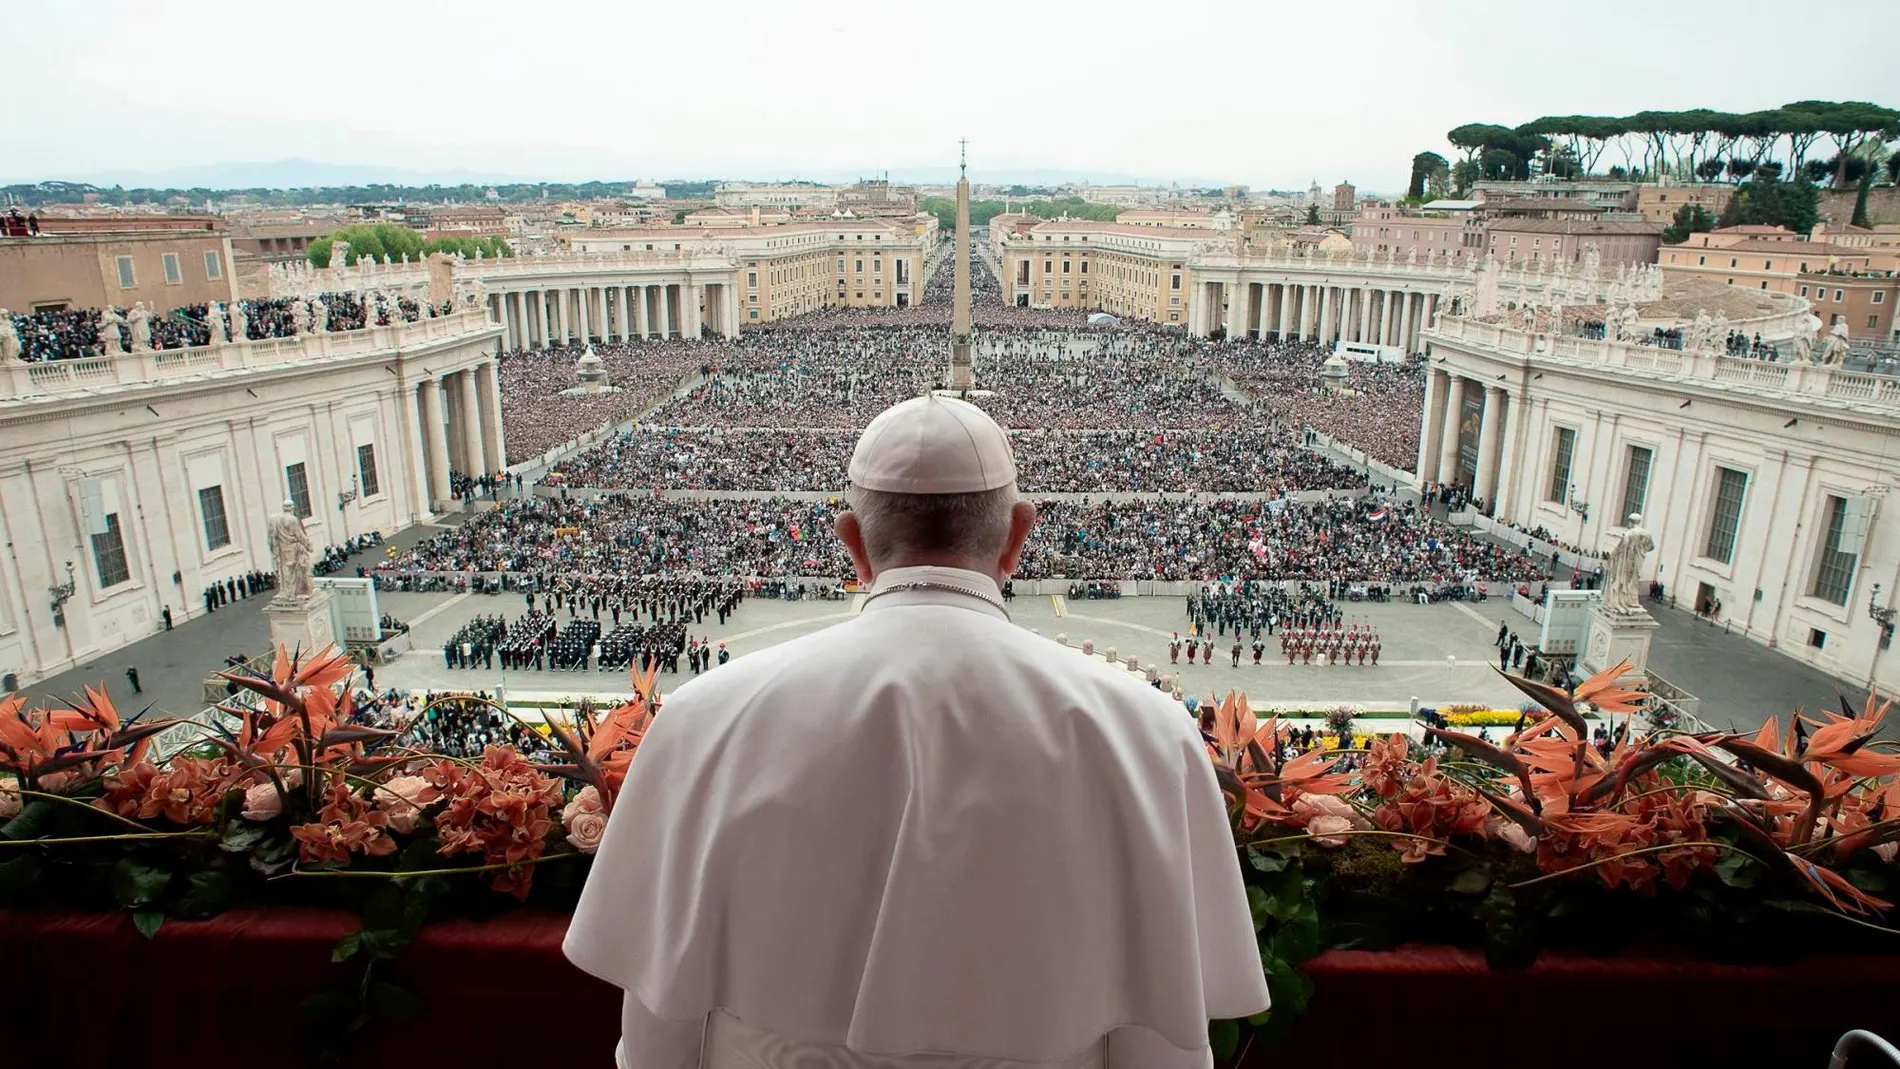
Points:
x=80 y=333
x=1379 y=412
x=1053 y=462
x=596 y=539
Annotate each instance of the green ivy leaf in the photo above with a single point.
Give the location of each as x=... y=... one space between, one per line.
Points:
x=1472 y=881
x=1266 y=862
x=347 y=947
x=1289 y=987
x=241 y=837
x=148 y=921
x=20 y=881
x=1298 y=938
x=207 y=894
x=1738 y=871
x=1224 y=1038
x=394 y=1002
x=136 y=884
x=33 y=821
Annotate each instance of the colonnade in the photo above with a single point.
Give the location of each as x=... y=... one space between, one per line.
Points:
x=537 y=318
x=1484 y=464
x=459 y=414
x=1317 y=312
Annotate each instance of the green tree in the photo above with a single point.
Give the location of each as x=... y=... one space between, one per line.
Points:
x=1424 y=165
x=1860 y=199
x=1312 y=215
x=1765 y=202
x=1465 y=174
x=1690 y=219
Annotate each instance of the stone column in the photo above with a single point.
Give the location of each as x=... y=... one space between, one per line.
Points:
x=625 y=311
x=1430 y=429
x=1507 y=455
x=1489 y=426
x=488 y=397
x=435 y=441
x=689 y=312
x=587 y=313
x=1448 y=442
x=1237 y=294
x=541 y=309
x=471 y=425
x=1364 y=297
x=1286 y=324
x=666 y=310
x=731 y=294
x=642 y=325
x=1307 y=310
x=1405 y=321
x=1328 y=314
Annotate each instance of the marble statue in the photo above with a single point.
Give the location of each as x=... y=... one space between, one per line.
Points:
x=290 y=551
x=110 y=343
x=300 y=315
x=140 y=319
x=1834 y=347
x=9 y=337
x=1624 y=570
x=214 y=323
x=1530 y=316
x=339 y=254
x=1593 y=261
x=240 y=323
x=1718 y=331
x=1411 y=257
x=1487 y=289
x=319 y=316
x=1804 y=338
x=1697 y=337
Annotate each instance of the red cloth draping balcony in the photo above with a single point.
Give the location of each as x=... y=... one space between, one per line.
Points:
x=80 y=990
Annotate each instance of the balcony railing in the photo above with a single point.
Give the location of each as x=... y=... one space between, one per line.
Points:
x=23 y=379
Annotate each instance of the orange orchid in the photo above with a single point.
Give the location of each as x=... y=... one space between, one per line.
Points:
x=600 y=749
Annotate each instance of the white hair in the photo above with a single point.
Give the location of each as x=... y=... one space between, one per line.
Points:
x=896 y=526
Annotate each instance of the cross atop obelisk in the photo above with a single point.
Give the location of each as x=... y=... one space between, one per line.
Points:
x=960 y=374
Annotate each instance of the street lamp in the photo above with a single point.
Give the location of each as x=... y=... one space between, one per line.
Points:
x=1880 y=614
x=63 y=592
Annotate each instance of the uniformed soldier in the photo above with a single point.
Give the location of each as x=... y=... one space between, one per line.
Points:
x=1174 y=649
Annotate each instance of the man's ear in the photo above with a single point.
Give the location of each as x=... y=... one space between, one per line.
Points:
x=1022 y=520
x=853 y=538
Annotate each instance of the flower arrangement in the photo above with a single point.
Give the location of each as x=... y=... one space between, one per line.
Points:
x=1545 y=837
x=1487 y=718
x=1788 y=836
x=296 y=803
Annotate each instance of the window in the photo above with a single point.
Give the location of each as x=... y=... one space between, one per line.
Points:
x=1873 y=322
x=1804 y=291
x=108 y=553
x=127 y=277
x=1730 y=485
x=1839 y=295
x=1733 y=262
x=859 y=265
x=1175 y=282
x=366 y=470
x=172 y=275
x=1880 y=297
x=217 y=528
x=1701 y=260
x=1834 y=572
x=1065 y=267
x=213 y=270
x=1767 y=265
x=299 y=485
x=1635 y=483
x=1817 y=639
x=752 y=278
x=1565 y=448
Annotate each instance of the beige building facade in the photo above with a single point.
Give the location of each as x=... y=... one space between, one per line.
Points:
x=141 y=479
x=165 y=269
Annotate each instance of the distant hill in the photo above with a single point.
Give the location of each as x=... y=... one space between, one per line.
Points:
x=285 y=174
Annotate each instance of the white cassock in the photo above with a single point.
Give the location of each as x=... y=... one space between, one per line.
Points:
x=924 y=837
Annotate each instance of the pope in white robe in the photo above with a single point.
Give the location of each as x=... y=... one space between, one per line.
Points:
x=924 y=837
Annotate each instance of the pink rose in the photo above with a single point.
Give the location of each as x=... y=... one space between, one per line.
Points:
x=586 y=820
x=399 y=799
x=262 y=802
x=10 y=799
x=1310 y=807
x=1326 y=830
x=1886 y=851
x=1512 y=834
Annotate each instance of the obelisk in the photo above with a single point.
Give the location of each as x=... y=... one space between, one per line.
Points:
x=960 y=377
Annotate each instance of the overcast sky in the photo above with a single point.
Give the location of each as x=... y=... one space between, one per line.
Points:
x=1268 y=94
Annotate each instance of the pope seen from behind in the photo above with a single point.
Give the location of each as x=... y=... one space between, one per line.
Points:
x=926 y=836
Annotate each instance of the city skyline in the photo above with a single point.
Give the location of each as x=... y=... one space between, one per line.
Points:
x=821 y=90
